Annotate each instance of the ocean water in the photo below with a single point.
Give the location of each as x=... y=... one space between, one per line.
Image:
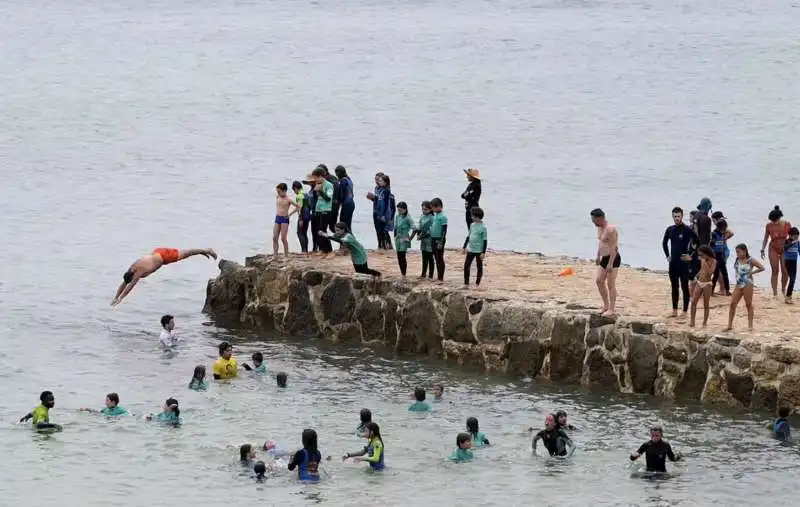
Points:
x=132 y=125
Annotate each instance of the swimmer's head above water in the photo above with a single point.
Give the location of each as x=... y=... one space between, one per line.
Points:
x=260 y=469
x=365 y=415
x=171 y=405
x=168 y=322
x=47 y=399
x=438 y=390
x=281 y=378
x=463 y=441
x=561 y=418
x=112 y=400
x=225 y=350
x=472 y=425
x=550 y=422
x=419 y=394
x=656 y=433
x=246 y=453
x=269 y=445
x=257 y=358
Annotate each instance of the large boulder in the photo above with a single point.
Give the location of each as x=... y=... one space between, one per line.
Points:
x=567 y=348
x=420 y=327
x=226 y=294
x=740 y=385
x=643 y=362
x=789 y=390
x=694 y=378
x=457 y=326
x=338 y=301
x=300 y=318
x=490 y=323
x=369 y=313
x=525 y=358
x=597 y=370
x=469 y=355
x=391 y=318
x=765 y=397
x=520 y=322
x=272 y=286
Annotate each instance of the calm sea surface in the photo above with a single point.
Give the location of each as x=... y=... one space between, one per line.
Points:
x=134 y=124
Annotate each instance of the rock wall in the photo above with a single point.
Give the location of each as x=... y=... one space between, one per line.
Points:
x=557 y=341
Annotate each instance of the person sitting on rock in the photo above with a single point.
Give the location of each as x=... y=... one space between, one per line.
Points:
x=357 y=253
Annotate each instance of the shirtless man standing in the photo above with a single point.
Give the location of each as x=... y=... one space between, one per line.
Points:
x=608 y=260
x=282 y=204
x=702 y=284
x=149 y=264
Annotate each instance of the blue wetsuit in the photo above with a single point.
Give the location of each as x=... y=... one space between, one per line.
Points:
x=307 y=464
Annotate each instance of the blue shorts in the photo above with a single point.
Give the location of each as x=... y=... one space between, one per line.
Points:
x=281 y=220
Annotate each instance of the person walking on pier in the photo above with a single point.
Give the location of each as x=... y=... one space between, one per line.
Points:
x=608 y=260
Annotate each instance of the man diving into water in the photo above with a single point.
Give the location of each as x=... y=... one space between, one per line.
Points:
x=149 y=264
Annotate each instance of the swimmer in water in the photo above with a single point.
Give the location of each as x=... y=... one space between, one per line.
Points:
x=170 y=413
x=462 y=452
x=40 y=416
x=656 y=451
x=260 y=471
x=438 y=390
x=478 y=438
x=281 y=378
x=561 y=422
x=366 y=417
x=226 y=366
x=246 y=455
x=781 y=429
x=703 y=287
x=419 y=405
x=198 y=382
x=555 y=440
x=307 y=459
x=149 y=264
x=258 y=363
x=272 y=449
x=373 y=450
x=168 y=338
x=112 y=408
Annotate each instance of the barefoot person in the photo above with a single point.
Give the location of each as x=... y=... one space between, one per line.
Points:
x=608 y=260
x=744 y=267
x=677 y=240
x=149 y=264
x=702 y=284
x=281 y=228
x=776 y=232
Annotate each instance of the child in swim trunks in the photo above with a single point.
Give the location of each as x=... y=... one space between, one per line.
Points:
x=281 y=228
x=703 y=283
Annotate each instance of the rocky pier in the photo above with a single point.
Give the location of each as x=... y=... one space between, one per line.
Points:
x=528 y=323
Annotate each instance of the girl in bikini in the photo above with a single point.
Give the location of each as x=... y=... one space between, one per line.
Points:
x=743 y=269
x=702 y=285
x=776 y=232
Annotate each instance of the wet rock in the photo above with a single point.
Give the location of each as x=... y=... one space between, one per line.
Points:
x=597 y=370
x=676 y=354
x=671 y=369
x=338 y=301
x=299 y=318
x=740 y=386
x=420 y=328
x=519 y=322
x=694 y=378
x=597 y=320
x=369 y=313
x=495 y=355
x=259 y=316
x=767 y=369
x=717 y=393
x=272 y=286
x=742 y=358
x=643 y=363
x=525 y=358
x=782 y=353
x=464 y=354
x=457 y=326
x=642 y=327
x=348 y=332
x=391 y=317
x=726 y=341
x=490 y=324
x=616 y=341
x=718 y=352
x=789 y=390
x=567 y=348
x=476 y=307
x=312 y=278
x=765 y=397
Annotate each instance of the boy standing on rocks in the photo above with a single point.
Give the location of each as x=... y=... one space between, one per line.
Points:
x=608 y=260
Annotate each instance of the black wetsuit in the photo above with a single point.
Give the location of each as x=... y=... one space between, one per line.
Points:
x=676 y=242
x=555 y=441
x=656 y=454
x=472 y=197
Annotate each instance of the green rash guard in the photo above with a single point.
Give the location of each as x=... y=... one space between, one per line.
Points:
x=479 y=440
x=357 y=253
x=419 y=406
x=461 y=455
x=424 y=228
x=114 y=412
x=477 y=240
x=403 y=225
x=437 y=225
x=324 y=206
x=198 y=385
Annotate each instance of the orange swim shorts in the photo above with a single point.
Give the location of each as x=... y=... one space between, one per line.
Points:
x=168 y=255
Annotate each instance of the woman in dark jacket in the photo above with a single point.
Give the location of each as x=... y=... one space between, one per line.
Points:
x=346 y=203
x=472 y=195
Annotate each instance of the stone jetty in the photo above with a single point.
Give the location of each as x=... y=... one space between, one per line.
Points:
x=527 y=322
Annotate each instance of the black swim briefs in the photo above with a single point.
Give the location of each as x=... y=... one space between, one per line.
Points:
x=617 y=261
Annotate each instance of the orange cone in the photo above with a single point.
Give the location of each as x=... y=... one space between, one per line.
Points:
x=567 y=271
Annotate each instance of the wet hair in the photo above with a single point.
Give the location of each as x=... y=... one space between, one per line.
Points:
x=794 y=231
x=128 y=276
x=743 y=247
x=550 y=417
x=223 y=347
x=386 y=180
x=440 y=386
x=374 y=429
x=419 y=394
x=472 y=425
x=260 y=469
x=113 y=397
x=282 y=187
x=717 y=215
x=310 y=440
x=46 y=395
x=597 y=213
x=776 y=214
x=318 y=172
x=462 y=438
x=199 y=374
x=340 y=171
x=722 y=225
x=476 y=212
x=281 y=378
x=657 y=428
x=559 y=414
x=426 y=204
x=258 y=356
x=296 y=185
x=172 y=401
x=165 y=319
x=706 y=250
x=783 y=411
x=402 y=205
x=244 y=450
x=365 y=415
x=436 y=203
x=677 y=209
x=324 y=168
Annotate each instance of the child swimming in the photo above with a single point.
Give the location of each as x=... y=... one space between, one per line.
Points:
x=112 y=408
x=781 y=429
x=477 y=437
x=462 y=452
x=168 y=338
x=419 y=405
x=170 y=414
x=366 y=417
x=307 y=459
x=438 y=390
x=373 y=450
x=198 y=382
x=246 y=454
x=281 y=378
x=40 y=416
x=260 y=471
x=561 y=421
x=272 y=449
x=258 y=363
